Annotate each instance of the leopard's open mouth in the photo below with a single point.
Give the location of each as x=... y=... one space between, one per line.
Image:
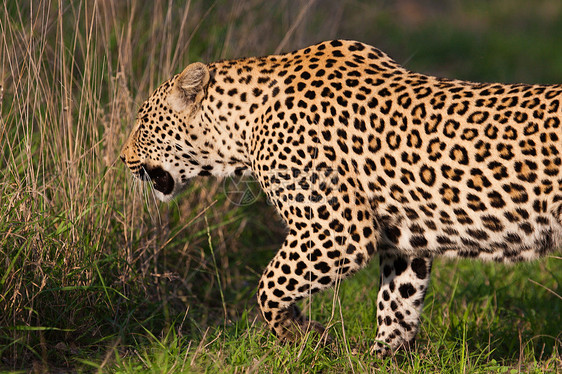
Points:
x=160 y=178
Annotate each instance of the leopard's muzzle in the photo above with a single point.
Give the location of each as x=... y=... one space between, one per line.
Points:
x=160 y=178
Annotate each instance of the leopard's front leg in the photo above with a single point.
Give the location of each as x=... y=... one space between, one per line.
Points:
x=311 y=260
x=287 y=279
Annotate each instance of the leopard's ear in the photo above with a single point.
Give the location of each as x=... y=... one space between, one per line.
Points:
x=189 y=87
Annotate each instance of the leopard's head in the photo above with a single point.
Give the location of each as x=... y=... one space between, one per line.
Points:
x=167 y=145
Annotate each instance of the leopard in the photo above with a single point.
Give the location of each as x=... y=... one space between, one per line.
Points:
x=362 y=157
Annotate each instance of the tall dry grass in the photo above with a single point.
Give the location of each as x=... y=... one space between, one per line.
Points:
x=73 y=233
x=82 y=252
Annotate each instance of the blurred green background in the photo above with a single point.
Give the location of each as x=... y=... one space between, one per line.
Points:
x=481 y=40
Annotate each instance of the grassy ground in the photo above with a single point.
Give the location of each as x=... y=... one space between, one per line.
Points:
x=96 y=276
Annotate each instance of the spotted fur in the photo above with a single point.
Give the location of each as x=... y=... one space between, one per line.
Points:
x=360 y=157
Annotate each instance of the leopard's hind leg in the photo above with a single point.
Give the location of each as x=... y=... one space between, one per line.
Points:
x=404 y=282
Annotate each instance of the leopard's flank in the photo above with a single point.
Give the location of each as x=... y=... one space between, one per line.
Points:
x=361 y=157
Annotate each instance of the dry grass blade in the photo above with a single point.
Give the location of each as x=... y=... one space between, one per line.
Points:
x=546 y=288
x=294 y=26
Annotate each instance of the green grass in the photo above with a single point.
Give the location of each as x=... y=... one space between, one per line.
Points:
x=96 y=276
x=482 y=326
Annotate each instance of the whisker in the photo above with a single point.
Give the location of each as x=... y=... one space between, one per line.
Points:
x=145 y=185
x=148 y=192
x=156 y=205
